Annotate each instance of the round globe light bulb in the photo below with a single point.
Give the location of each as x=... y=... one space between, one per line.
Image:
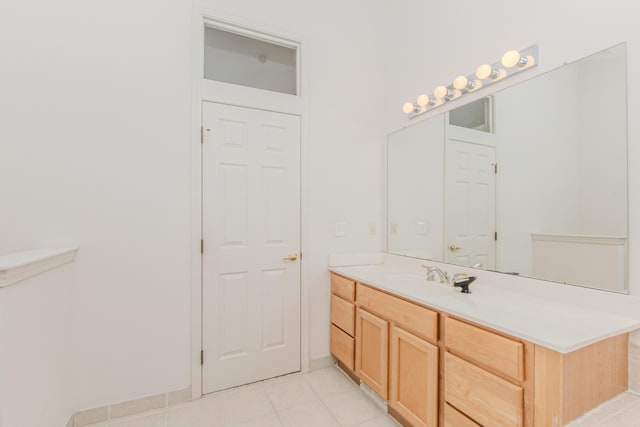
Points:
x=408 y=107
x=440 y=92
x=460 y=82
x=511 y=58
x=423 y=100
x=484 y=71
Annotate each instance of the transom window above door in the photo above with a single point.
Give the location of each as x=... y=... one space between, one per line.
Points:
x=239 y=59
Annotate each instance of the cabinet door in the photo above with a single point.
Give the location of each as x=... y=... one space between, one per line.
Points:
x=413 y=383
x=372 y=354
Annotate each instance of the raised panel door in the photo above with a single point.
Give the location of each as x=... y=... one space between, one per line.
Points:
x=372 y=351
x=413 y=383
x=251 y=223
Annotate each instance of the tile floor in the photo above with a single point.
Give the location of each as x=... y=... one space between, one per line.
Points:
x=322 y=398
x=622 y=411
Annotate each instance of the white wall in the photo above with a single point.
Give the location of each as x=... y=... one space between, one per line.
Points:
x=537 y=151
x=95 y=151
x=602 y=202
x=35 y=349
x=430 y=43
x=415 y=175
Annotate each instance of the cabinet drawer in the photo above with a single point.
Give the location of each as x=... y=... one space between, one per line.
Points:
x=485 y=348
x=343 y=287
x=484 y=397
x=342 y=347
x=343 y=314
x=417 y=319
x=455 y=418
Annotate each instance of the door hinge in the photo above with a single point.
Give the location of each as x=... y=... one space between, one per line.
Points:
x=201 y=134
x=202 y=357
x=495 y=168
x=495 y=236
x=201 y=246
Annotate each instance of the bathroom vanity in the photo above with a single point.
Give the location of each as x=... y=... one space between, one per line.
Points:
x=510 y=353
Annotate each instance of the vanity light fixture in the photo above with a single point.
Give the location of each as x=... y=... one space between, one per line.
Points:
x=465 y=84
x=426 y=101
x=513 y=58
x=445 y=93
x=511 y=63
x=410 y=107
x=486 y=71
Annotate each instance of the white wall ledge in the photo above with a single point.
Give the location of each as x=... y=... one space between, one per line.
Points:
x=22 y=265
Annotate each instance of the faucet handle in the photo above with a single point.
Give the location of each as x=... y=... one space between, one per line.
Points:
x=458 y=276
x=430 y=272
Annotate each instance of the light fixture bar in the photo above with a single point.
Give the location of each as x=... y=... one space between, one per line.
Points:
x=512 y=62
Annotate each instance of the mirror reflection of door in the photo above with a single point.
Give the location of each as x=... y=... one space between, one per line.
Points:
x=470 y=198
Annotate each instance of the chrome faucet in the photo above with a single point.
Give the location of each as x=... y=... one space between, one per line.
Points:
x=431 y=271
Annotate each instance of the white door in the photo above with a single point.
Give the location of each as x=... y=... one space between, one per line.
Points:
x=251 y=226
x=470 y=204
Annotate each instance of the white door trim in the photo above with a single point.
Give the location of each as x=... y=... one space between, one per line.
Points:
x=252 y=98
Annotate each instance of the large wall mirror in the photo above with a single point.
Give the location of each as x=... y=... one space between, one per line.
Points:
x=530 y=180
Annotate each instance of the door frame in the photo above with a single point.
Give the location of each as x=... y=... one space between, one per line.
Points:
x=224 y=93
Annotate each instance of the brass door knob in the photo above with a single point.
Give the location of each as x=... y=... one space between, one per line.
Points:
x=453 y=248
x=292 y=257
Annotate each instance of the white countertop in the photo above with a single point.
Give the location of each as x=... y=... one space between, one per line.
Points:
x=560 y=317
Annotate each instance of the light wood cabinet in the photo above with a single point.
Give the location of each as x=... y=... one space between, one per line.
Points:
x=413 y=378
x=485 y=348
x=343 y=315
x=568 y=385
x=438 y=370
x=484 y=375
x=412 y=317
x=455 y=418
x=372 y=354
x=342 y=337
x=501 y=381
x=482 y=396
x=343 y=287
x=410 y=358
x=343 y=347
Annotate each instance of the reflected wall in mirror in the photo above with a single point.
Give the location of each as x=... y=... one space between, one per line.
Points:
x=531 y=180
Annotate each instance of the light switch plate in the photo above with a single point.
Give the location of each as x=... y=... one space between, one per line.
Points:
x=372 y=228
x=341 y=228
x=421 y=228
x=394 y=228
